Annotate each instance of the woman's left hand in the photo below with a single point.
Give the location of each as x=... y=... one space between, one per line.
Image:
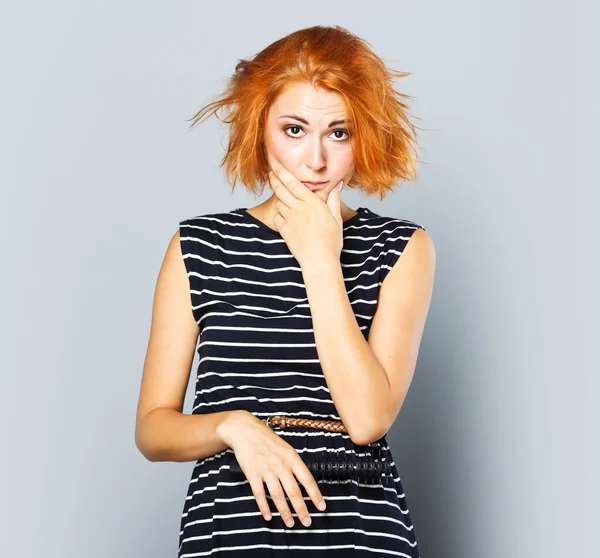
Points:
x=311 y=228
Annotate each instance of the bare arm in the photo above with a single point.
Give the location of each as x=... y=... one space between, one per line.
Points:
x=162 y=431
x=165 y=434
x=368 y=381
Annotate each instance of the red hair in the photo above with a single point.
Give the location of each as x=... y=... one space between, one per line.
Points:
x=384 y=140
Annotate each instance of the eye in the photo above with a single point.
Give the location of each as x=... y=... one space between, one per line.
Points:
x=290 y=127
x=337 y=130
x=343 y=132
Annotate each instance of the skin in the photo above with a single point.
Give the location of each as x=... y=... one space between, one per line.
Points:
x=367 y=379
x=314 y=152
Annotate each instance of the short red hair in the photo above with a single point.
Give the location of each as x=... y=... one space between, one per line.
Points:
x=384 y=140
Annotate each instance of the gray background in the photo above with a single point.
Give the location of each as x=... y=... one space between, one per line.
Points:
x=496 y=443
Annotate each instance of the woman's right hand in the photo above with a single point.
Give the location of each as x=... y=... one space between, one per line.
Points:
x=265 y=457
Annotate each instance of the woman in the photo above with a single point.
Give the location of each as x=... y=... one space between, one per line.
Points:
x=302 y=311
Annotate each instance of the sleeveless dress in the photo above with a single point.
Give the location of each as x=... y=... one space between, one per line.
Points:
x=257 y=352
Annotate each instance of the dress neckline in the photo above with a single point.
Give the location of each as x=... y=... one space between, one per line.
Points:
x=244 y=211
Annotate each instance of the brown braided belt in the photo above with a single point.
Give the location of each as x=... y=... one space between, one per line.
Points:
x=276 y=421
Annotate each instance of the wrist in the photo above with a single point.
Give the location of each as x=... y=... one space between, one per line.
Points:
x=230 y=423
x=321 y=267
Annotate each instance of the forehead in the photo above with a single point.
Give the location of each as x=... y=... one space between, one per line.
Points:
x=307 y=100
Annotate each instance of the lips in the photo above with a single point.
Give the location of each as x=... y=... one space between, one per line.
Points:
x=314 y=185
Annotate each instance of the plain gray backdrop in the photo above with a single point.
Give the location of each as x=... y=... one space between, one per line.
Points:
x=496 y=443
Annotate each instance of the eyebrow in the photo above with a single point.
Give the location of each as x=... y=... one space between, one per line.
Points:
x=334 y=123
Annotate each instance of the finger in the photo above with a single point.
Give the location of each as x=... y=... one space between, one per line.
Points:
x=278 y=221
x=295 y=495
x=258 y=489
x=296 y=187
x=334 y=204
x=278 y=496
x=281 y=191
x=283 y=209
x=303 y=474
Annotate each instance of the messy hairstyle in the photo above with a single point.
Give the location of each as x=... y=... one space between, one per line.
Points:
x=384 y=140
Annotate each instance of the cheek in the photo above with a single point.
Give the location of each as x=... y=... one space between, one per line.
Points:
x=279 y=149
x=345 y=162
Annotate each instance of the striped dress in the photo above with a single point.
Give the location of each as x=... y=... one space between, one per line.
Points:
x=257 y=352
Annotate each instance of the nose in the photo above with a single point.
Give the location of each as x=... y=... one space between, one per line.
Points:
x=316 y=156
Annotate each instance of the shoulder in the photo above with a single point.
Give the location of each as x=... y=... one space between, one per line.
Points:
x=413 y=259
x=210 y=225
x=389 y=227
x=211 y=220
x=418 y=240
x=404 y=244
x=420 y=249
x=398 y=231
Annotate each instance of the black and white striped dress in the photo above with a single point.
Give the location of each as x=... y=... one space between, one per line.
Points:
x=257 y=352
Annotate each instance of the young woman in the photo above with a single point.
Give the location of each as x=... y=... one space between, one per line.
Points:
x=303 y=314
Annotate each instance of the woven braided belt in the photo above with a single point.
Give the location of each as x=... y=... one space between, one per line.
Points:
x=300 y=422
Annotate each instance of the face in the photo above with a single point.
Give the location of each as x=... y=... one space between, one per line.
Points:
x=305 y=134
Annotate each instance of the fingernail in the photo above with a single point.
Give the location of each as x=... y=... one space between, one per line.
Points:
x=321 y=506
x=306 y=521
x=290 y=522
x=267 y=517
x=339 y=186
